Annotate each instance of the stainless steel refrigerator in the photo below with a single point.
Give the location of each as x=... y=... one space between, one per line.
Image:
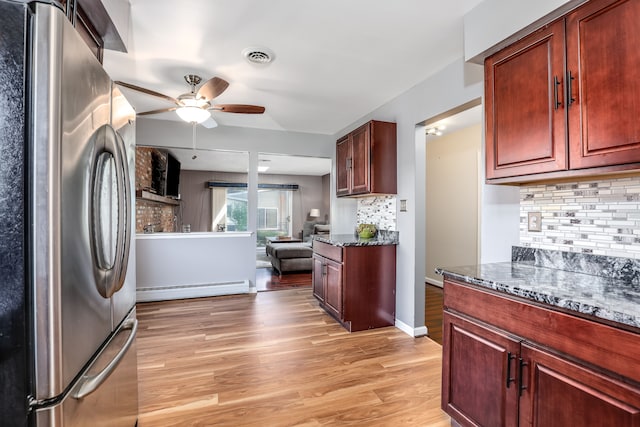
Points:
x=67 y=295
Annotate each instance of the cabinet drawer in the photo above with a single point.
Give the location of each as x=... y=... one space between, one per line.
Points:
x=328 y=251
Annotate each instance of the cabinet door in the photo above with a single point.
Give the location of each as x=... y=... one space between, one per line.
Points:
x=479 y=384
x=560 y=393
x=343 y=166
x=604 y=59
x=333 y=287
x=525 y=107
x=317 y=278
x=361 y=148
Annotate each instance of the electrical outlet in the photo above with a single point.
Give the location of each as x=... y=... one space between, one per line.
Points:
x=534 y=221
x=403 y=205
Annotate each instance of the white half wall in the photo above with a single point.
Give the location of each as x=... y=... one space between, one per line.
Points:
x=180 y=260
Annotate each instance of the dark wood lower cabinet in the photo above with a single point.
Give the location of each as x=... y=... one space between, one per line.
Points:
x=477 y=361
x=356 y=284
x=501 y=368
x=561 y=393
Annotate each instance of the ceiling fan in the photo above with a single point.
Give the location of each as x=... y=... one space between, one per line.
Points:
x=195 y=106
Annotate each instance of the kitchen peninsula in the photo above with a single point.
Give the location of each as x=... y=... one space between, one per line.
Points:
x=354 y=279
x=550 y=338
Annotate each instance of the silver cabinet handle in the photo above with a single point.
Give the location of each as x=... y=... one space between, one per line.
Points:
x=87 y=384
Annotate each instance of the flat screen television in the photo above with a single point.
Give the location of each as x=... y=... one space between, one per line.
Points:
x=172 y=188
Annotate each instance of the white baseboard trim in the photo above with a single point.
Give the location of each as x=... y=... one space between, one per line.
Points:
x=191 y=291
x=414 y=332
x=433 y=282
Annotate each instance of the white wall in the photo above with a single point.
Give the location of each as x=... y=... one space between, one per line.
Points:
x=492 y=22
x=452 y=198
x=455 y=85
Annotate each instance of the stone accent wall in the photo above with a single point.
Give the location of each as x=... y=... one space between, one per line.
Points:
x=377 y=210
x=599 y=217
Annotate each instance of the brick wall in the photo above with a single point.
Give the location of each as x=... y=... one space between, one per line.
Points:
x=143 y=167
x=158 y=214
x=600 y=217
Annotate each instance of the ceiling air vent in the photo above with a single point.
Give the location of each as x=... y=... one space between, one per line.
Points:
x=258 y=55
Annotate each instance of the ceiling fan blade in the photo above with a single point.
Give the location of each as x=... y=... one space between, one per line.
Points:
x=212 y=88
x=146 y=91
x=239 y=108
x=209 y=123
x=161 y=110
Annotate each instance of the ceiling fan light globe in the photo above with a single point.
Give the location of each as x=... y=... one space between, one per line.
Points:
x=193 y=114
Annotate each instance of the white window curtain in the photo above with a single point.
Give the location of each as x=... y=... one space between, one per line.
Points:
x=218 y=209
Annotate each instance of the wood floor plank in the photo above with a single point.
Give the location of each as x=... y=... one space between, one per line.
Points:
x=277 y=359
x=433 y=306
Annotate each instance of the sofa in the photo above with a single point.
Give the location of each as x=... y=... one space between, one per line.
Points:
x=290 y=257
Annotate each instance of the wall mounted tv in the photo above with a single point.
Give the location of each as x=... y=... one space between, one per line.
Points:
x=172 y=188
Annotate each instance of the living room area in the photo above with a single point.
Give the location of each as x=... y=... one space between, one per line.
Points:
x=293 y=205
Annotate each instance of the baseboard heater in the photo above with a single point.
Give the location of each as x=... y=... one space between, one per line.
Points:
x=161 y=293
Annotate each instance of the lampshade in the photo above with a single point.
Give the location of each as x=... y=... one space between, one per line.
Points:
x=193 y=114
x=314 y=213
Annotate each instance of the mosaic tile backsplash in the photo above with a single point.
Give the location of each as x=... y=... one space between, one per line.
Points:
x=377 y=210
x=600 y=217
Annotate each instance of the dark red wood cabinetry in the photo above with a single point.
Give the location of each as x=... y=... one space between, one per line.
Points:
x=510 y=363
x=563 y=101
x=366 y=160
x=525 y=130
x=356 y=284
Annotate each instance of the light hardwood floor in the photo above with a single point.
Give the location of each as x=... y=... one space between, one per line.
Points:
x=433 y=304
x=276 y=359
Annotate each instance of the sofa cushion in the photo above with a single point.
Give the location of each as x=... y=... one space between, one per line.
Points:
x=291 y=250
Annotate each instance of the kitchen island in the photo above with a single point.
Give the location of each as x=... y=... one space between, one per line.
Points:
x=354 y=279
x=550 y=339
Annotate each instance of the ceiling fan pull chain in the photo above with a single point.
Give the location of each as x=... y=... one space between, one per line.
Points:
x=195 y=156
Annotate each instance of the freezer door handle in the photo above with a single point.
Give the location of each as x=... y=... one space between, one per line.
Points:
x=87 y=384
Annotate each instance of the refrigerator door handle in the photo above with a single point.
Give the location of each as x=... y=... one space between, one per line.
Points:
x=87 y=384
x=109 y=167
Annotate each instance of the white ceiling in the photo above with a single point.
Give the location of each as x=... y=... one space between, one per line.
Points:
x=335 y=60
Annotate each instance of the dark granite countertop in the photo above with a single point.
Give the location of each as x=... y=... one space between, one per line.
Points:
x=614 y=299
x=382 y=238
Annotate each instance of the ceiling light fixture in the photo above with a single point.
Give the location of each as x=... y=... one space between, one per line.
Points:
x=193 y=110
x=435 y=130
x=192 y=114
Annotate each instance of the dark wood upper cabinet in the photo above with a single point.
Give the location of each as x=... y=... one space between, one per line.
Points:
x=525 y=111
x=366 y=160
x=563 y=101
x=603 y=57
x=91 y=20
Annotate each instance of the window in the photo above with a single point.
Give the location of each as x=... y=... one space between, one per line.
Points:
x=267 y=218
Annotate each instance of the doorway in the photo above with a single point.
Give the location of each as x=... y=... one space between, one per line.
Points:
x=453 y=166
x=293 y=196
